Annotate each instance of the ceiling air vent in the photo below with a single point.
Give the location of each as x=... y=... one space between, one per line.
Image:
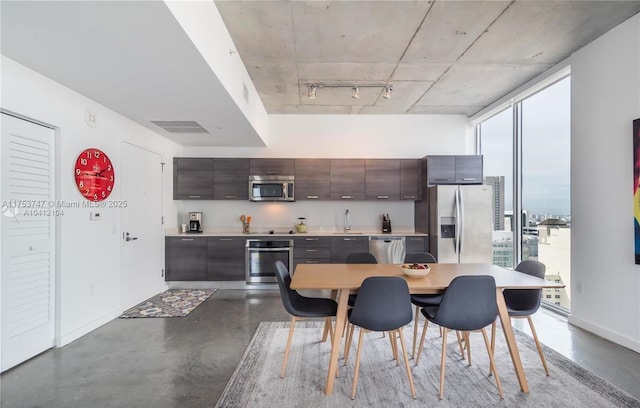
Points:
x=180 y=126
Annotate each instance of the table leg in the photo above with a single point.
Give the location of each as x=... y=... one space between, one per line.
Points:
x=505 y=320
x=343 y=299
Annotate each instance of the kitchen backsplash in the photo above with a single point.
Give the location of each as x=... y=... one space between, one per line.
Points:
x=325 y=215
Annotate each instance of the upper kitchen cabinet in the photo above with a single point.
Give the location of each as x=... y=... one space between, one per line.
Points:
x=313 y=179
x=382 y=179
x=454 y=170
x=231 y=179
x=192 y=178
x=410 y=180
x=271 y=167
x=347 y=179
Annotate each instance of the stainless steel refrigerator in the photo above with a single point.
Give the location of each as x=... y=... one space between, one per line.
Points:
x=461 y=223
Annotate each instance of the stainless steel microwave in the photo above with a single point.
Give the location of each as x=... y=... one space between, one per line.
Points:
x=271 y=188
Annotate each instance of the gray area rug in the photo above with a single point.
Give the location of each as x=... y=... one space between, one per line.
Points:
x=171 y=303
x=257 y=383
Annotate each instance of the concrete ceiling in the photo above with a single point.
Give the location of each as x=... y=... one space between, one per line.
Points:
x=451 y=57
x=445 y=57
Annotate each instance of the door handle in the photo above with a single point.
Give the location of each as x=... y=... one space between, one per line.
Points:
x=128 y=237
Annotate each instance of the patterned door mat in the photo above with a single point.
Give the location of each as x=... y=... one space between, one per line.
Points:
x=172 y=303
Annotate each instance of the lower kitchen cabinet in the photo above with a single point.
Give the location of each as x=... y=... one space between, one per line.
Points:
x=416 y=244
x=186 y=259
x=225 y=259
x=343 y=246
x=312 y=249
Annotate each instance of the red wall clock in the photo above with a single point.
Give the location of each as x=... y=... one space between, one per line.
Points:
x=94 y=174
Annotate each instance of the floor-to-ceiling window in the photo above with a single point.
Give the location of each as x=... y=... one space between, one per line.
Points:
x=526 y=149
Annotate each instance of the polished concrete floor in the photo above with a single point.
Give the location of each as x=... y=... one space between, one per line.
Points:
x=186 y=362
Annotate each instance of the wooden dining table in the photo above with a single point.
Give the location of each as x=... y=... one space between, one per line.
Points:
x=347 y=278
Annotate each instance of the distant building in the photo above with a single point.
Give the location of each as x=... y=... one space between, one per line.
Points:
x=497 y=182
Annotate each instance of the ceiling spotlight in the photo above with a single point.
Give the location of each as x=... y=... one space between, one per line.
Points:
x=312 y=92
x=387 y=92
x=356 y=93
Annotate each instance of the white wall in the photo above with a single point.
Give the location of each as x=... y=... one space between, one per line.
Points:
x=88 y=256
x=605 y=99
x=336 y=136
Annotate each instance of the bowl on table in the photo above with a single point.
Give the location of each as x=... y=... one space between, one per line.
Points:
x=415 y=270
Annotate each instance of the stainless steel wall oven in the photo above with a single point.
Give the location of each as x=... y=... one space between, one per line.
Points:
x=261 y=254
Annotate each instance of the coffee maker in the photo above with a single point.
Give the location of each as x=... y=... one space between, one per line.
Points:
x=195 y=222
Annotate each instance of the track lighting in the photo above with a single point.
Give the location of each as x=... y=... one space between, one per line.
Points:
x=387 y=92
x=312 y=92
x=312 y=89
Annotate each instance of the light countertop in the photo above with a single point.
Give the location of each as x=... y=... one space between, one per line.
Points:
x=173 y=232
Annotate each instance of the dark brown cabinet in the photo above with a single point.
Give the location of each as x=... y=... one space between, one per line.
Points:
x=271 y=167
x=230 y=179
x=347 y=179
x=410 y=180
x=192 y=178
x=226 y=259
x=416 y=244
x=186 y=259
x=454 y=170
x=312 y=249
x=342 y=246
x=313 y=179
x=382 y=179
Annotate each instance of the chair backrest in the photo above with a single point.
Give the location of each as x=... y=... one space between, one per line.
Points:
x=288 y=295
x=469 y=303
x=362 y=257
x=383 y=304
x=419 y=257
x=526 y=299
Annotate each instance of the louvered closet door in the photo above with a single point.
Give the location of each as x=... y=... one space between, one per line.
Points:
x=28 y=240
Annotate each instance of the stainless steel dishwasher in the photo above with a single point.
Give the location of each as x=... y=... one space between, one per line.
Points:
x=387 y=249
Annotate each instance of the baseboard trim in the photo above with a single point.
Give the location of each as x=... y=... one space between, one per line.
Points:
x=87 y=328
x=632 y=344
x=220 y=285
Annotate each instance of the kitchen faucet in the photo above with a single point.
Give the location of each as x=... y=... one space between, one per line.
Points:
x=347 y=221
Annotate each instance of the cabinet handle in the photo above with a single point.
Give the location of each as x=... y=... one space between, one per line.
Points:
x=441 y=179
x=383 y=197
x=230 y=196
x=312 y=197
x=188 y=239
x=195 y=196
x=311 y=250
x=311 y=261
x=410 y=196
x=348 y=239
x=311 y=239
x=226 y=239
x=469 y=179
x=347 y=197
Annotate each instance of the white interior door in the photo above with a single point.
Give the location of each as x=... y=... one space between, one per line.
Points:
x=28 y=240
x=143 y=247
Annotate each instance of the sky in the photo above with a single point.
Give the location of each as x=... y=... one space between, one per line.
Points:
x=546 y=142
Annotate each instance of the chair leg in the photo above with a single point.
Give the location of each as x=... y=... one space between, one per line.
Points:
x=492 y=362
x=467 y=345
x=394 y=347
x=535 y=337
x=347 y=344
x=406 y=362
x=286 y=350
x=493 y=343
x=327 y=328
x=355 y=373
x=443 y=361
x=415 y=332
x=424 y=334
x=460 y=340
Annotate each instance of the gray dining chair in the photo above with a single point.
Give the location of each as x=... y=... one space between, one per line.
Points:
x=383 y=305
x=301 y=307
x=468 y=304
x=355 y=258
x=421 y=300
x=522 y=303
